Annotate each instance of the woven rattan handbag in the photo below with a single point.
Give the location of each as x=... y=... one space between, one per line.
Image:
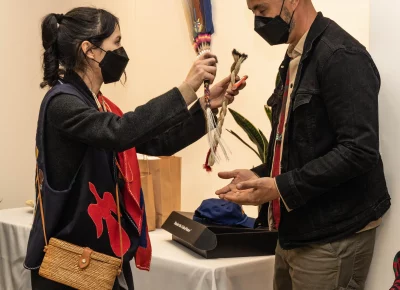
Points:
x=74 y=266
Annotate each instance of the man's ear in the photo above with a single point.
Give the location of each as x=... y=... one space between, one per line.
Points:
x=294 y=4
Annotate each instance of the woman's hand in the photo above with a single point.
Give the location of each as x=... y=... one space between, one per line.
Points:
x=222 y=90
x=204 y=68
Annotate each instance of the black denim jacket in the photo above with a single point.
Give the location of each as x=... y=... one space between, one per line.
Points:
x=332 y=173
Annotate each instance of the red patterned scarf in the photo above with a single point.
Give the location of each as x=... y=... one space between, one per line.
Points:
x=133 y=196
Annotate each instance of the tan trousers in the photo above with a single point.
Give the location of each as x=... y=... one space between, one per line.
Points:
x=339 y=265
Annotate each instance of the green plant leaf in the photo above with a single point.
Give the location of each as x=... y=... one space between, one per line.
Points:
x=244 y=142
x=265 y=140
x=269 y=113
x=250 y=130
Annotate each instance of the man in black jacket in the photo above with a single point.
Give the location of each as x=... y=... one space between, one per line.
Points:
x=323 y=184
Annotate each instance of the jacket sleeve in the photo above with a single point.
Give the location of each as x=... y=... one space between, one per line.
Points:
x=261 y=170
x=106 y=130
x=349 y=88
x=178 y=137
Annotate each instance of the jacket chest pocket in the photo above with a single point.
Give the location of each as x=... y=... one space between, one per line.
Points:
x=303 y=123
x=301 y=100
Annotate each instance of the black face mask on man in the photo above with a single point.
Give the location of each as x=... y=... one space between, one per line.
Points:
x=113 y=65
x=273 y=30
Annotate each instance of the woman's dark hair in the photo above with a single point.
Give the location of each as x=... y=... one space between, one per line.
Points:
x=62 y=36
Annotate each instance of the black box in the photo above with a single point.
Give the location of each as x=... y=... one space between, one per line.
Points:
x=212 y=241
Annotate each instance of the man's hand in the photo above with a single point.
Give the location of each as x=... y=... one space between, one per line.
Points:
x=252 y=192
x=237 y=176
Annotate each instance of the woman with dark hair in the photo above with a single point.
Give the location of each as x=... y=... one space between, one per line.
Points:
x=85 y=145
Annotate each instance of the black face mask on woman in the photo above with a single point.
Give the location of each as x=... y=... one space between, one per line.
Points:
x=273 y=30
x=113 y=65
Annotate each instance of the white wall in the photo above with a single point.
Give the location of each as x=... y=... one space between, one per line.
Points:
x=156 y=38
x=384 y=49
x=19 y=82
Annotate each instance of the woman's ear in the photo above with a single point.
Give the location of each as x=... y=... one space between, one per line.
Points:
x=87 y=49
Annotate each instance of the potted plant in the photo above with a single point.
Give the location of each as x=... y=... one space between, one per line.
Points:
x=255 y=135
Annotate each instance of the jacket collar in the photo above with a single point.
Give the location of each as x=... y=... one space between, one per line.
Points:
x=74 y=79
x=319 y=25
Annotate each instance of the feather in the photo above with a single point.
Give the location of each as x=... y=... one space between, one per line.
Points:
x=188 y=9
x=207 y=16
x=199 y=19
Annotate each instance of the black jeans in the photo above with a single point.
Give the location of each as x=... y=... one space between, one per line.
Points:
x=40 y=283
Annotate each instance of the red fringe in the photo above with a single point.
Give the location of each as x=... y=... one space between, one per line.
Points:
x=206 y=166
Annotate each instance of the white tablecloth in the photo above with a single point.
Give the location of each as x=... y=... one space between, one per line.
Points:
x=173 y=266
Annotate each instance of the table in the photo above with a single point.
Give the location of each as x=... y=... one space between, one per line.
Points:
x=15 y=225
x=173 y=266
